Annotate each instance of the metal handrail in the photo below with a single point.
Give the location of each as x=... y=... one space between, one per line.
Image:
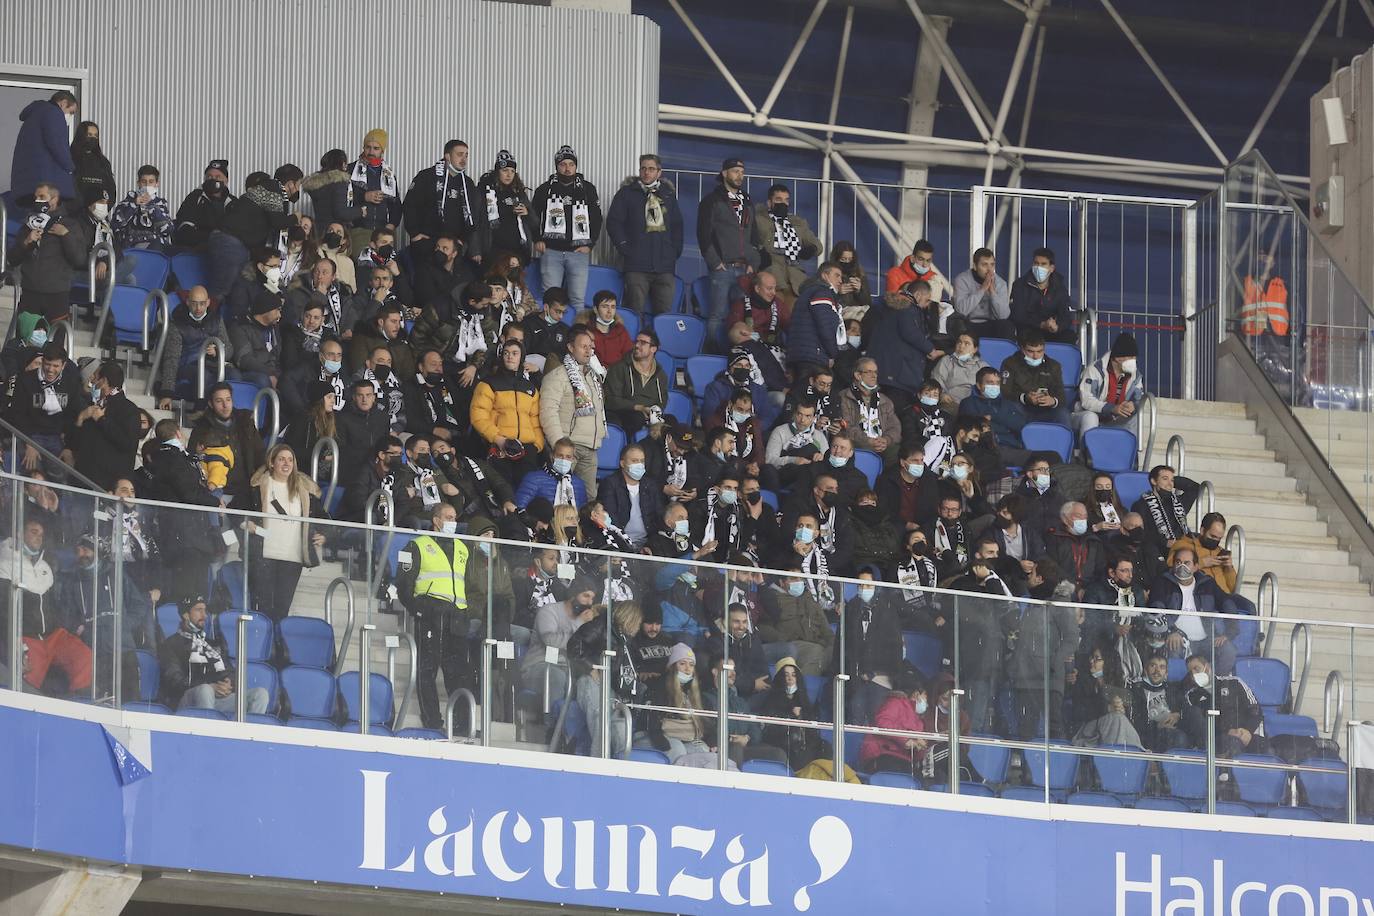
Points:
x=68 y=334
x=1330 y=725
x=1176 y=441
x=341 y=656
x=1270 y=583
x=562 y=712
x=275 y=399
x=365 y=677
x=5 y=238
x=7 y=430
x=629 y=727
x=1151 y=422
x=370 y=507
x=1237 y=534
x=461 y=694
x=98 y=251
x=200 y=365
x=241 y=670
x=1087 y=337
x=1297 y=683
x=409 y=693
x=165 y=314
x=333 y=466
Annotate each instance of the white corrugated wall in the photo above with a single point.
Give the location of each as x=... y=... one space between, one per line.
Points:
x=179 y=82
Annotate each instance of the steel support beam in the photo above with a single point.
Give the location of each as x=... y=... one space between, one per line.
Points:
x=791 y=61
x=715 y=58
x=921 y=110
x=974 y=105
x=1287 y=78
x=826 y=229
x=1013 y=77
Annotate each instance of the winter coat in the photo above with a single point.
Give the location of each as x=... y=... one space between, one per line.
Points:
x=256 y=218
x=611 y=345
x=801 y=745
x=440 y=288
x=643 y=251
x=1082 y=559
x=1234 y=700
x=875 y=648
x=388 y=212
x=93 y=170
x=421 y=209
x=1031 y=305
x=26 y=412
x=791 y=619
x=358 y=431
x=957 y=379
x=507 y=404
x=941 y=290
x=540 y=483
x=181 y=672
x=887 y=418
x=723 y=237
x=1092 y=388
x=876 y=537
x=52 y=265
x=1020 y=379
x=509 y=231
x=816 y=330
x=897 y=713
x=556 y=410
x=625 y=387
x=42 y=151
x=574 y=191
x=899 y=344
x=106 y=448
x=329 y=193
x=1042 y=509
x=1046 y=639
x=980 y=626
x=366 y=338
x=41 y=613
x=1167 y=594
x=789 y=273
x=716 y=399
x=244 y=438
x=1007 y=416
x=614 y=494
x=257 y=347
x=1099 y=626
x=199 y=215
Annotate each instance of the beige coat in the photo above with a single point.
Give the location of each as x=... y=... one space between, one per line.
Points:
x=556 y=411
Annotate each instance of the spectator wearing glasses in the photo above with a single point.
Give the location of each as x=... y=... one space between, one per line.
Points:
x=869 y=415
x=188 y=336
x=982 y=299
x=645 y=225
x=636 y=386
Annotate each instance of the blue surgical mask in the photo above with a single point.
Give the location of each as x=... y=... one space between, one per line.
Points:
x=449 y=527
x=915 y=470
x=921 y=706
x=992 y=392
x=38 y=337
x=929 y=401
x=754 y=335
x=868 y=387
x=958 y=471
x=1080 y=526
x=1042 y=482
x=728 y=497
x=562 y=465
x=963 y=357
x=635 y=470
x=837 y=462
x=1041 y=274
x=689 y=579
x=684 y=678
x=332 y=366
x=1098 y=674
x=739 y=417
x=855 y=340
x=682 y=527
x=796 y=589
x=866 y=593
x=95 y=391
x=484 y=547
x=805 y=535
x=1033 y=362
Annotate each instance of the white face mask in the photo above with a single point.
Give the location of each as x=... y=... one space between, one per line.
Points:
x=272 y=278
x=1202 y=679
x=449 y=527
x=791 y=689
x=1128 y=366
x=101 y=212
x=684 y=678
x=150 y=190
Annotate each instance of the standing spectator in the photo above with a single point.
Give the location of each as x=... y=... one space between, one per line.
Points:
x=52 y=248
x=440 y=278
x=373 y=189
x=244 y=438
x=202 y=211
x=331 y=191
x=505 y=413
x=1045 y=638
x=899 y=346
x=1111 y=389
x=281 y=492
x=637 y=386
x=252 y=222
x=141 y=220
x=1040 y=300
x=106 y=434
x=571 y=405
x=920 y=265
x=645 y=225
x=854 y=292
x=509 y=226
x=41 y=150
x=869 y=414
x=982 y=298
x=568 y=214
x=92 y=169
x=44 y=402
x=980 y=630
x=363 y=420
x=1035 y=381
x=443 y=200
x=176 y=478
x=817 y=333
x=787 y=240
x=48 y=630
x=872 y=649
x=958 y=371
x=196 y=672
x=728 y=238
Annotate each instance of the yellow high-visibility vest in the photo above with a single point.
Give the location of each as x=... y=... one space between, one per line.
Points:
x=437 y=577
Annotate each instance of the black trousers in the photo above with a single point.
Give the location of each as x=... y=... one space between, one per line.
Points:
x=1030 y=706
x=272 y=583
x=441 y=644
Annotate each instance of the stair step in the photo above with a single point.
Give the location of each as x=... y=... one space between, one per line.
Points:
x=1174 y=407
x=1188 y=424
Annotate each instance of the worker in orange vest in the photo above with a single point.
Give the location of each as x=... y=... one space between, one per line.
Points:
x=1266 y=302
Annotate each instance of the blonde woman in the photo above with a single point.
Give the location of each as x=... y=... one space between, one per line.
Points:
x=679 y=734
x=626 y=687
x=281 y=542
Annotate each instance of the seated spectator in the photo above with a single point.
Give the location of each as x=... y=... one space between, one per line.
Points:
x=958 y=371
x=873 y=650
x=384 y=330
x=907 y=495
x=818 y=389
x=141 y=220
x=869 y=415
x=765 y=361
x=379 y=472
x=1017 y=541
x=1040 y=493
x=324 y=366
x=1111 y=389
x=258 y=279
x=479 y=492
x=935 y=763
x=787 y=699
x=762 y=518
x=923 y=418
x=45 y=402
x=817 y=333
x=786 y=240
x=610 y=340
x=755 y=300
x=47 y=270
x=188 y=335
x=298 y=250
x=1130 y=542
x=679 y=734
x=961 y=476
x=556 y=481
x=50 y=631
x=795 y=623
x=378 y=288
x=430 y=405
x=1182 y=590
x=901 y=709
x=982 y=299
x=440 y=279
x=1040 y=301
x=832 y=528
x=537 y=586
x=1165 y=507
x=742 y=646
x=1035 y=381
x=106 y=434
x=839 y=464
x=1005 y=415
x=321 y=286
x=716 y=457
x=877 y=538
x=1239 y=728
x=545 y=333
x=506 y=271
x=651 y=646
x=257 y=342
x=30 y=335
x=1213 y=559
x=920 y=265
x=244 y=437
x=672 y=536
x=848 y=359
x=202 y=211
x=1105 y=512
x=572 y=405
x=721 y=520
x=1099 y=703
x=196 y=671
x=738 y=374
x=505 y=413
x=794 y=445
x=746 y=737
x=736 y=416
x=465 y=336
x=644 y=223
x=282 y=492
x=1157 y=705
x=679 y=591
x=636 y=385
x=898 y=343
x=952 y=534
x=362 y=422
x=666 y=453
x=334 y=247
x=1077 y=551
x=633 y=508
x=1119 y=588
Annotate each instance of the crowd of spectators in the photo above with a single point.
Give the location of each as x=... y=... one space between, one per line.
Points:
x=395 y=320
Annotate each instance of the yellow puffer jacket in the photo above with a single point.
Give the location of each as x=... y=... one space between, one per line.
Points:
x=506 y=406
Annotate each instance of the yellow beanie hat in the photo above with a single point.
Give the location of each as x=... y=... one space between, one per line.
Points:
x=376 y=135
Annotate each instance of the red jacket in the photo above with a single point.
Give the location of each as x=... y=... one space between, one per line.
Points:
x=897 y=713
x=611 y=346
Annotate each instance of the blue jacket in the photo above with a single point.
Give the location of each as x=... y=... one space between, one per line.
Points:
x=541 y=483
x=812 y=336
x=717 y=397
x=899 y=343
x=1007 y=417
x=645 y=252
x=42 y=151
x=615 y=496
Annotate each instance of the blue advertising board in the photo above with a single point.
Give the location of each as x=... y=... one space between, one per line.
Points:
x=425 y=816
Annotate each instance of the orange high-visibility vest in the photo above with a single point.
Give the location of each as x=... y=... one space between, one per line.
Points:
x=1267 y=308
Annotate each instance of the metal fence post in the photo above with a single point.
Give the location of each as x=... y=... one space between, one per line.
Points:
x=953 y=777
x=241 y=672
x=607 y=662
x=837 y=746
x=1212 y=716
x=1188 y=347
x=365 y=677
x=488 y=647
x=1350 y=795
x=723 y=717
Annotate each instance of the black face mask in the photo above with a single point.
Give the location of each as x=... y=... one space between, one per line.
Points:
x=740 y=376
x=212 y=186
x=41 y=206
x=829 y=499
x=386 y=251
x=754 y=498
x=296 y=234
x=394 y=463
x=1210 y=543
x=570 y=532
x=440 y=259
x=433 y=378
x=778 y=210
x=382 y=372
x=1132 y=536
x=919 y=549
x=90 y=145
x=1104 y=496
x=1006 y=523
x=333 y=239
x=294 y=198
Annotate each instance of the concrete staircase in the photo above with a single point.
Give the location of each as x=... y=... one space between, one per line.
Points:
x=1284 y=535
x=1346 y=438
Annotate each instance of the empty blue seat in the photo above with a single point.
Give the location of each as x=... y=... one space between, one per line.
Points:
x=680 y=336
x=665 y=362
x=766 y=767
x=1063 y=766
x=647 y=755
x=1260 y=786
x=1236 y=809
x=127 y=316
x=1326 y=791
x=140 y=706
x=679 y=405
x=1096 y=799
x=149 y=675
x=630 y=320
x=422 y=734
x=534 y=280
x=399 y=543
x=1267 y=678
x=168 y=619
x=259 y=636
x=1024 y=793
x=701 y=295
x=608 y=454
x=311 y=692
x=853 y=741
x=815 y=685
x=189 y=269
x=1279 y=723
x=375 y=730
x=975 y=789
x=869 y=464
x=1121 y=775
x=150 y=268
x=894 y=780
x=600 y=277
x=323 y=725
x=995 y=350
x=196 y=712
x=679 y=295
x=1155 y=803
x=1186 y=780
x=1130 y=485
x=261 y=718
x=1178 y=668
x=990 y=760
x=379 y=697
x=265 y=676
x=924 y=652
x=701 y=371
x=1039 y=436
x=1110 y=449
x=307 y=641
x=230 y=577
x=1069 y=359
x=1295 y=814
x=244 y=393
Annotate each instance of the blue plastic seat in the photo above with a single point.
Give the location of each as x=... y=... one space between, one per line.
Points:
x=399 y=544
x=1187 y=781
x=1267 y=679
x=1178 y=669
x=701 y=295
x=649 y=755
x=995 y=350
x=189 y=268
x=149 y=675
x=702 y=369
x=534 y=280
x=769 y=498
x=665 y=362
x=1260 y=787
x=259 y=635
x=379 y=697
x=140 y=706
x=1156 y=803
x=1130 y=486
x=1063 y=766
x=853 y=742
x=266 y=677
x=376 y=730
x=1039 y=436
x=1110 y=449
x=1236 y=809
x=1325 y=791
x=870 y=464
x=608 y=455
x=600 y=277
x=150 y=268
x=1279 y=723
x=168 y=619
x=975 y=789
x=1024 y=793
x=680 y=336
x=1121 y=775
x=766 y=767
x=1096 y=799
x=630 y=320
x=990 y=760
x=126 y=316
x=679 y=405
x=196 y=712
x=1285 y=813
x=244 y=393
x=924 y=652
x=323 y=725
x=679 y=295
x=422 y=734
x=230 y=576
x=307 y=640
x=815 y=686
x=261 y=718
x=894 y=780
x=311 y=692
x=1069 y=359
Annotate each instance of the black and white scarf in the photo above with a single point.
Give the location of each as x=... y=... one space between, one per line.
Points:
x=785 y=238
x=815 y=564
x=729 y=519
x=564 y=494
x=1109 y=513
x=744 y=435
x=586 y=386
x=567 y=216
x=655 y=214
x=468 y=338
x=915 y=573
x=826 y=539
x=386 y=180
x=203 y=652
x=333 y=313
x=870 y=420
x=395 y=398
x=542 y=592
x=442 y=175
x=438 y=394
x=739 y=202
x=931 y=420
x=800 y=438
x=751 y=307
x=676 y=466
x=1167 y=514
x=336 y=382
x=951 y=537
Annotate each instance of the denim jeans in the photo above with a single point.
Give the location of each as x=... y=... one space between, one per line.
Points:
x=203 y=697
x=567 y=269
x=722 y=282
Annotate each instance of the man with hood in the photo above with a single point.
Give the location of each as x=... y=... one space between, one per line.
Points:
x=645 y=225
x=567 y=215
x=31 y=334
x=202 y=211
x=443 y=200
x=42 y=150
x=1040 y=300
x=331 y=191
x=727 y=234
x=373 y=189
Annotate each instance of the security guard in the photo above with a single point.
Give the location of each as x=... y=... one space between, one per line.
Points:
x=431 y=579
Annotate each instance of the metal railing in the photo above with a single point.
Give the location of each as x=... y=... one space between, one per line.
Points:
x=271 y=396
x=365 y=678
x=1149 y=413
x=464 y=696
x=1332 y=724
x=1297 y=677
x=1268 y=585
x=342 y=654
x=63 y=327
x=1236 y=535
x=393 y=642
x=200 y=365
x=1176 y=454
x=321 y=445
